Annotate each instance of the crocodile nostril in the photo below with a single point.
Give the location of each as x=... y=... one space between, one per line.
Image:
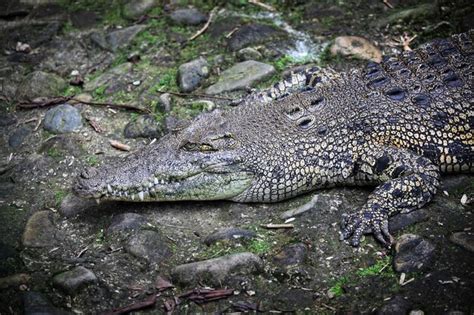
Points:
x=89 y=173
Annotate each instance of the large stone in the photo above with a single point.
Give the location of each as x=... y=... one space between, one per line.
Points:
x=73 y=280
x=412 y=253
x=192 y=73
x=217 y=271
x=249 y=53
x=241 y=76
x=17 y=137
x=39 y=83
x=463 y=239
x=126 y=221
x=188 y=16
x=354 y=46
x=144 y=126
x=121 y=38
x=39 y=230
x=72 y=205
x=35 y=303
x=253 y=34
x=149 y=245
x=62 y=118
x=134 y=9
x=402 y=220
x=111 y=79
x=84 y=19
x=291 y=255
x=395 y=306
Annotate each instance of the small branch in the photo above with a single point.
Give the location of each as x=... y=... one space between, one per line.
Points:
x=133 y=307
x=204 y=28
x=119 y=145
x=277 y=226
x=388 y=4
x=262 y=5
x=198 y=95
x=62 y=99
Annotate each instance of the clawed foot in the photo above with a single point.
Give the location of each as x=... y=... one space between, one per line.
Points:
x=356 y=224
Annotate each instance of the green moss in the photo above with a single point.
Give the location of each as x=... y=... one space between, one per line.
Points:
x=338 y=287
x=382 y=267
x=327 y=59
x=259 y=246
x=54 y=153
x=99 y=93
x=92 y=160
x=59 y=196
x=71 y=91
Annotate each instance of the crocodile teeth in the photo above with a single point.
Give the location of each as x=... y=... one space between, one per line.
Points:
x=133 y=197
x=155 y=180
x=109 y=188
x=141 y=195
x=152 y=192
x=150 y=184
x=162 y=182
x=97 y=200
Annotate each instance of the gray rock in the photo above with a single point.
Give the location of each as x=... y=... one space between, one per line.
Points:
x=354 y=46
x=62 y=118
x=253 y=34
x=241 y=76
x=249 y=53
x=188 y=16
x=133 y=9
x=112 y=79
x=35 y=303
x=72 y=205
x=463 y=239
x=144 y=126
x=40 y=230
x=229 y=234
x=412 y=253
x=402 y=220
x=291 y=255
x=83 y=19
x=100 y=40
x=165 y=101
x=122 y=38
x=396 y=306
x=73 y=280
x=149 y=245
x=18 y=136
x=217 y=271
x=192 y=73
x=126 y=221
x=39 y=83
x=7 y=119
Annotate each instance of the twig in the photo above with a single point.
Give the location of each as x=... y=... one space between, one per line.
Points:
x=61 y=99
x=329 y=307
x=95 y=125
x=263 y=5
x=198 y=95
x=119 y=145
x=277 y=226
x=388 y=4
x=82 y=252
x=133 y=307
x=204 y=28
x=235 y=29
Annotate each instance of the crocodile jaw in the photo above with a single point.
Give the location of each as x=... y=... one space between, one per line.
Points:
x=165 y=178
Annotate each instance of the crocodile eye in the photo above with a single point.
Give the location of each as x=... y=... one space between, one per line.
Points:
x=205 y=147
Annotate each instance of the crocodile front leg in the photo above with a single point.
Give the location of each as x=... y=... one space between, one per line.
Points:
x=409 y=181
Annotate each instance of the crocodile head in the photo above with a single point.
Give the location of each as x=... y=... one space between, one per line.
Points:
x=202 y=161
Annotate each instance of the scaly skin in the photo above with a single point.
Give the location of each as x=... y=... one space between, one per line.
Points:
x=396 y=125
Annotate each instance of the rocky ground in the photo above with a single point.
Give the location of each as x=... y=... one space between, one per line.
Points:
x=81 y=81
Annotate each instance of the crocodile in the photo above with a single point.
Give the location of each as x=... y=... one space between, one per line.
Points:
x=395 y=125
